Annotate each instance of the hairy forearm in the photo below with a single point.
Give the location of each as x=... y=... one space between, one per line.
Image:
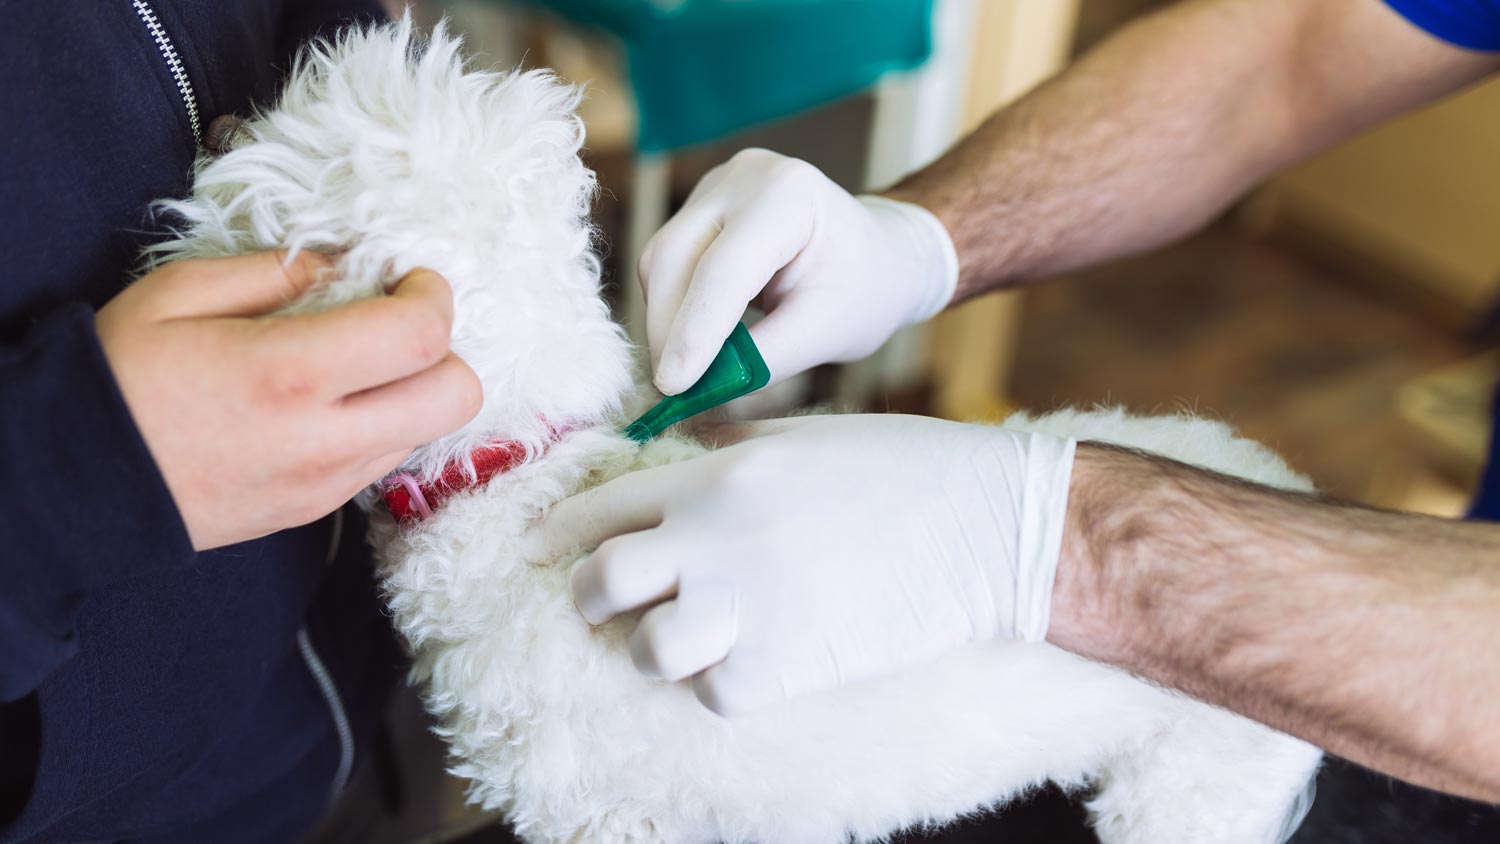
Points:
x=1157 y=130
x=1372 y=634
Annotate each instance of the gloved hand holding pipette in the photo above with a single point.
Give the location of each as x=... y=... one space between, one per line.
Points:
x=845 y=273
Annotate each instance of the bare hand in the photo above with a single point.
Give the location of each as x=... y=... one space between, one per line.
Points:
x=260 y=423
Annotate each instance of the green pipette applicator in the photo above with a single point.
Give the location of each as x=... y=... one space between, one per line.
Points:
x=738 y=369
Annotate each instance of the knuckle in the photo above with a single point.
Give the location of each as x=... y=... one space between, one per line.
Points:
x=469 y=395
x=608 y=573
x=306 y=260
x=428 y=334
x=710 y=271
x=736 y=686
x=669 y=239
x=796 y=173
x=644 y=264
x=754 y=157
x=649 y=650
x=286 y=273
x=306 y=269
x=288 y=384
x=715 y=695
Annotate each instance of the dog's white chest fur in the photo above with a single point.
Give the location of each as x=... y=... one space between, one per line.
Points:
x=394 y=157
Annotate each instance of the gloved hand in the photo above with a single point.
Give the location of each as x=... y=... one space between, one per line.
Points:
x=822 y=550
x=837 y=275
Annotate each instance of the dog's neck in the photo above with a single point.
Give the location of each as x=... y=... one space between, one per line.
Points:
x=410 y=500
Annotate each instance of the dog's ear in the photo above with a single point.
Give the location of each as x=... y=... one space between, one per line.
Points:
x=225 y=132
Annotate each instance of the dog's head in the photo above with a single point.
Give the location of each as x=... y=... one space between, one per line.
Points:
x=385 y=151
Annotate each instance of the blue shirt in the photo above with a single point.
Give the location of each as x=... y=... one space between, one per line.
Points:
x=1472 y=24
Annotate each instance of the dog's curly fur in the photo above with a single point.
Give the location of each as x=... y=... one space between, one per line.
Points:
x=390 y=154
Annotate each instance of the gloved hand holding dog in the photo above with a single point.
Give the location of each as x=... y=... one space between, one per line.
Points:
x=837 y=275
x=821 y=550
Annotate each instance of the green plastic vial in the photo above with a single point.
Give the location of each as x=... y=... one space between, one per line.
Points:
x=738 y=369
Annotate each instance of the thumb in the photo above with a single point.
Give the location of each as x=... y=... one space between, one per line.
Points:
x=242 y=286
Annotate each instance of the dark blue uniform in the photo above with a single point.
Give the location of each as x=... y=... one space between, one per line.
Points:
x=147 y=693
x=1471 y=24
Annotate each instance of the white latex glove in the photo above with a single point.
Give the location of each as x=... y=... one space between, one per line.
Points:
x=822 y=550
x=837 y=275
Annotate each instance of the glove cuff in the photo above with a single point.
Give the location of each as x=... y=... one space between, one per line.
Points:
x=1045 y=480
x=936 y=253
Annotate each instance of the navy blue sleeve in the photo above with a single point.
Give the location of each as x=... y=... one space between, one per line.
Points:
x=1472 y=24
x=83 y=501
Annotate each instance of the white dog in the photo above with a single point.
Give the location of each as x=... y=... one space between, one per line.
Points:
x=389 y=154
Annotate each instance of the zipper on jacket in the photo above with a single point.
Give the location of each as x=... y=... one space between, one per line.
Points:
x=170 y=55
x=309 y=654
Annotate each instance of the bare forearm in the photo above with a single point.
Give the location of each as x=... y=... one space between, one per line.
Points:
x=1372 y=634
x=1156 y=131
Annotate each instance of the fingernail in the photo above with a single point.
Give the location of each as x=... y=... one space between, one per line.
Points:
x=413 y=275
